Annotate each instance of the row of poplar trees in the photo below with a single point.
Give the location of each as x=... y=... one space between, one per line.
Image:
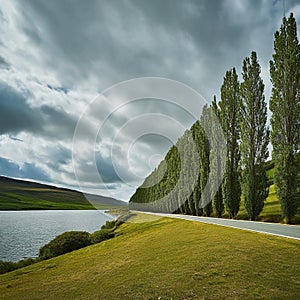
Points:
x=179 y=184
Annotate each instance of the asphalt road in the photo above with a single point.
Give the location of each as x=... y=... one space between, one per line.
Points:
x=287 y=231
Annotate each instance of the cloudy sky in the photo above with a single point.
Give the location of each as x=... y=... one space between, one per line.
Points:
x=61 y=61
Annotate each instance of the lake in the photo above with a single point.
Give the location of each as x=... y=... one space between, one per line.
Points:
x=23 y=233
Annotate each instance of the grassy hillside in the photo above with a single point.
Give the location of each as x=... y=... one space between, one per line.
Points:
x=25 y=195
x=166 y=259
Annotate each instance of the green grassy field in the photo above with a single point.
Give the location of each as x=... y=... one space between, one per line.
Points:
x=24 y=195
x=166 y=259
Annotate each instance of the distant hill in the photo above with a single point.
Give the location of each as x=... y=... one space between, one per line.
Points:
x=25 y=195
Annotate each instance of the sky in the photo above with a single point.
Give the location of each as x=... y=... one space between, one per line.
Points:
x=64 y=114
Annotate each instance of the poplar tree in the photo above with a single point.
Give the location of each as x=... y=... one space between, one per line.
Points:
x=254 y=138
x=285 y=120
x=229 y=106
x=196 y=132
x=204 y=154
x=215 y=162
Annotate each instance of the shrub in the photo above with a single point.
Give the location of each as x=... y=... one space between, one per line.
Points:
x=25 y=262
x=112 y=224
x=7 y=266
x=66 y=242
x=101 y=235
x=109 y=225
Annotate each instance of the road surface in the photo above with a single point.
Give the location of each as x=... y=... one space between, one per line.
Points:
x=287 y=231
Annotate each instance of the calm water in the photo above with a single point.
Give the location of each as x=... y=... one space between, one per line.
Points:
x=23 y=233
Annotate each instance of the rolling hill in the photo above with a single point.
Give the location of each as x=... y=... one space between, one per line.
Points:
x=25 y=195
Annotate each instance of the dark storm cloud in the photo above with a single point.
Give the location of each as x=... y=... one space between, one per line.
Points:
x=59 y=156
x=58 y=89
x=115 y=38
x=126 y=39
x=16 y=115
x=57 y=123
x=27 y=170
x=3 y=63
x=106 y=170
x=118 y=40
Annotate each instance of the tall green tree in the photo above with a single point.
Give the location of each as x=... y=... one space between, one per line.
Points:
x=285 y=120
x=254 y=137
x=204 y=154
x=197 y=137
x=216 y=161
x=229 y=106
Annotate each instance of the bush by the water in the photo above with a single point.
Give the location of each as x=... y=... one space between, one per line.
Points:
x=73 y=240
x=101 y=235
x=66 y=242
x=7 y=266
x=112 y=224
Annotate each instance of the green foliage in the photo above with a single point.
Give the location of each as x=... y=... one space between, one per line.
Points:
x=101 y=235
x=109 y=225
x=216 y=154
x=269 y=167
x=8 y=266
x=204 y=153
x=254 y=138
x=169 y=188
x=177 y=185
x=64 y=243
x=285 y=120
x=113 y=224
x=73 y=240
x=159 y=184
x=230 y=105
